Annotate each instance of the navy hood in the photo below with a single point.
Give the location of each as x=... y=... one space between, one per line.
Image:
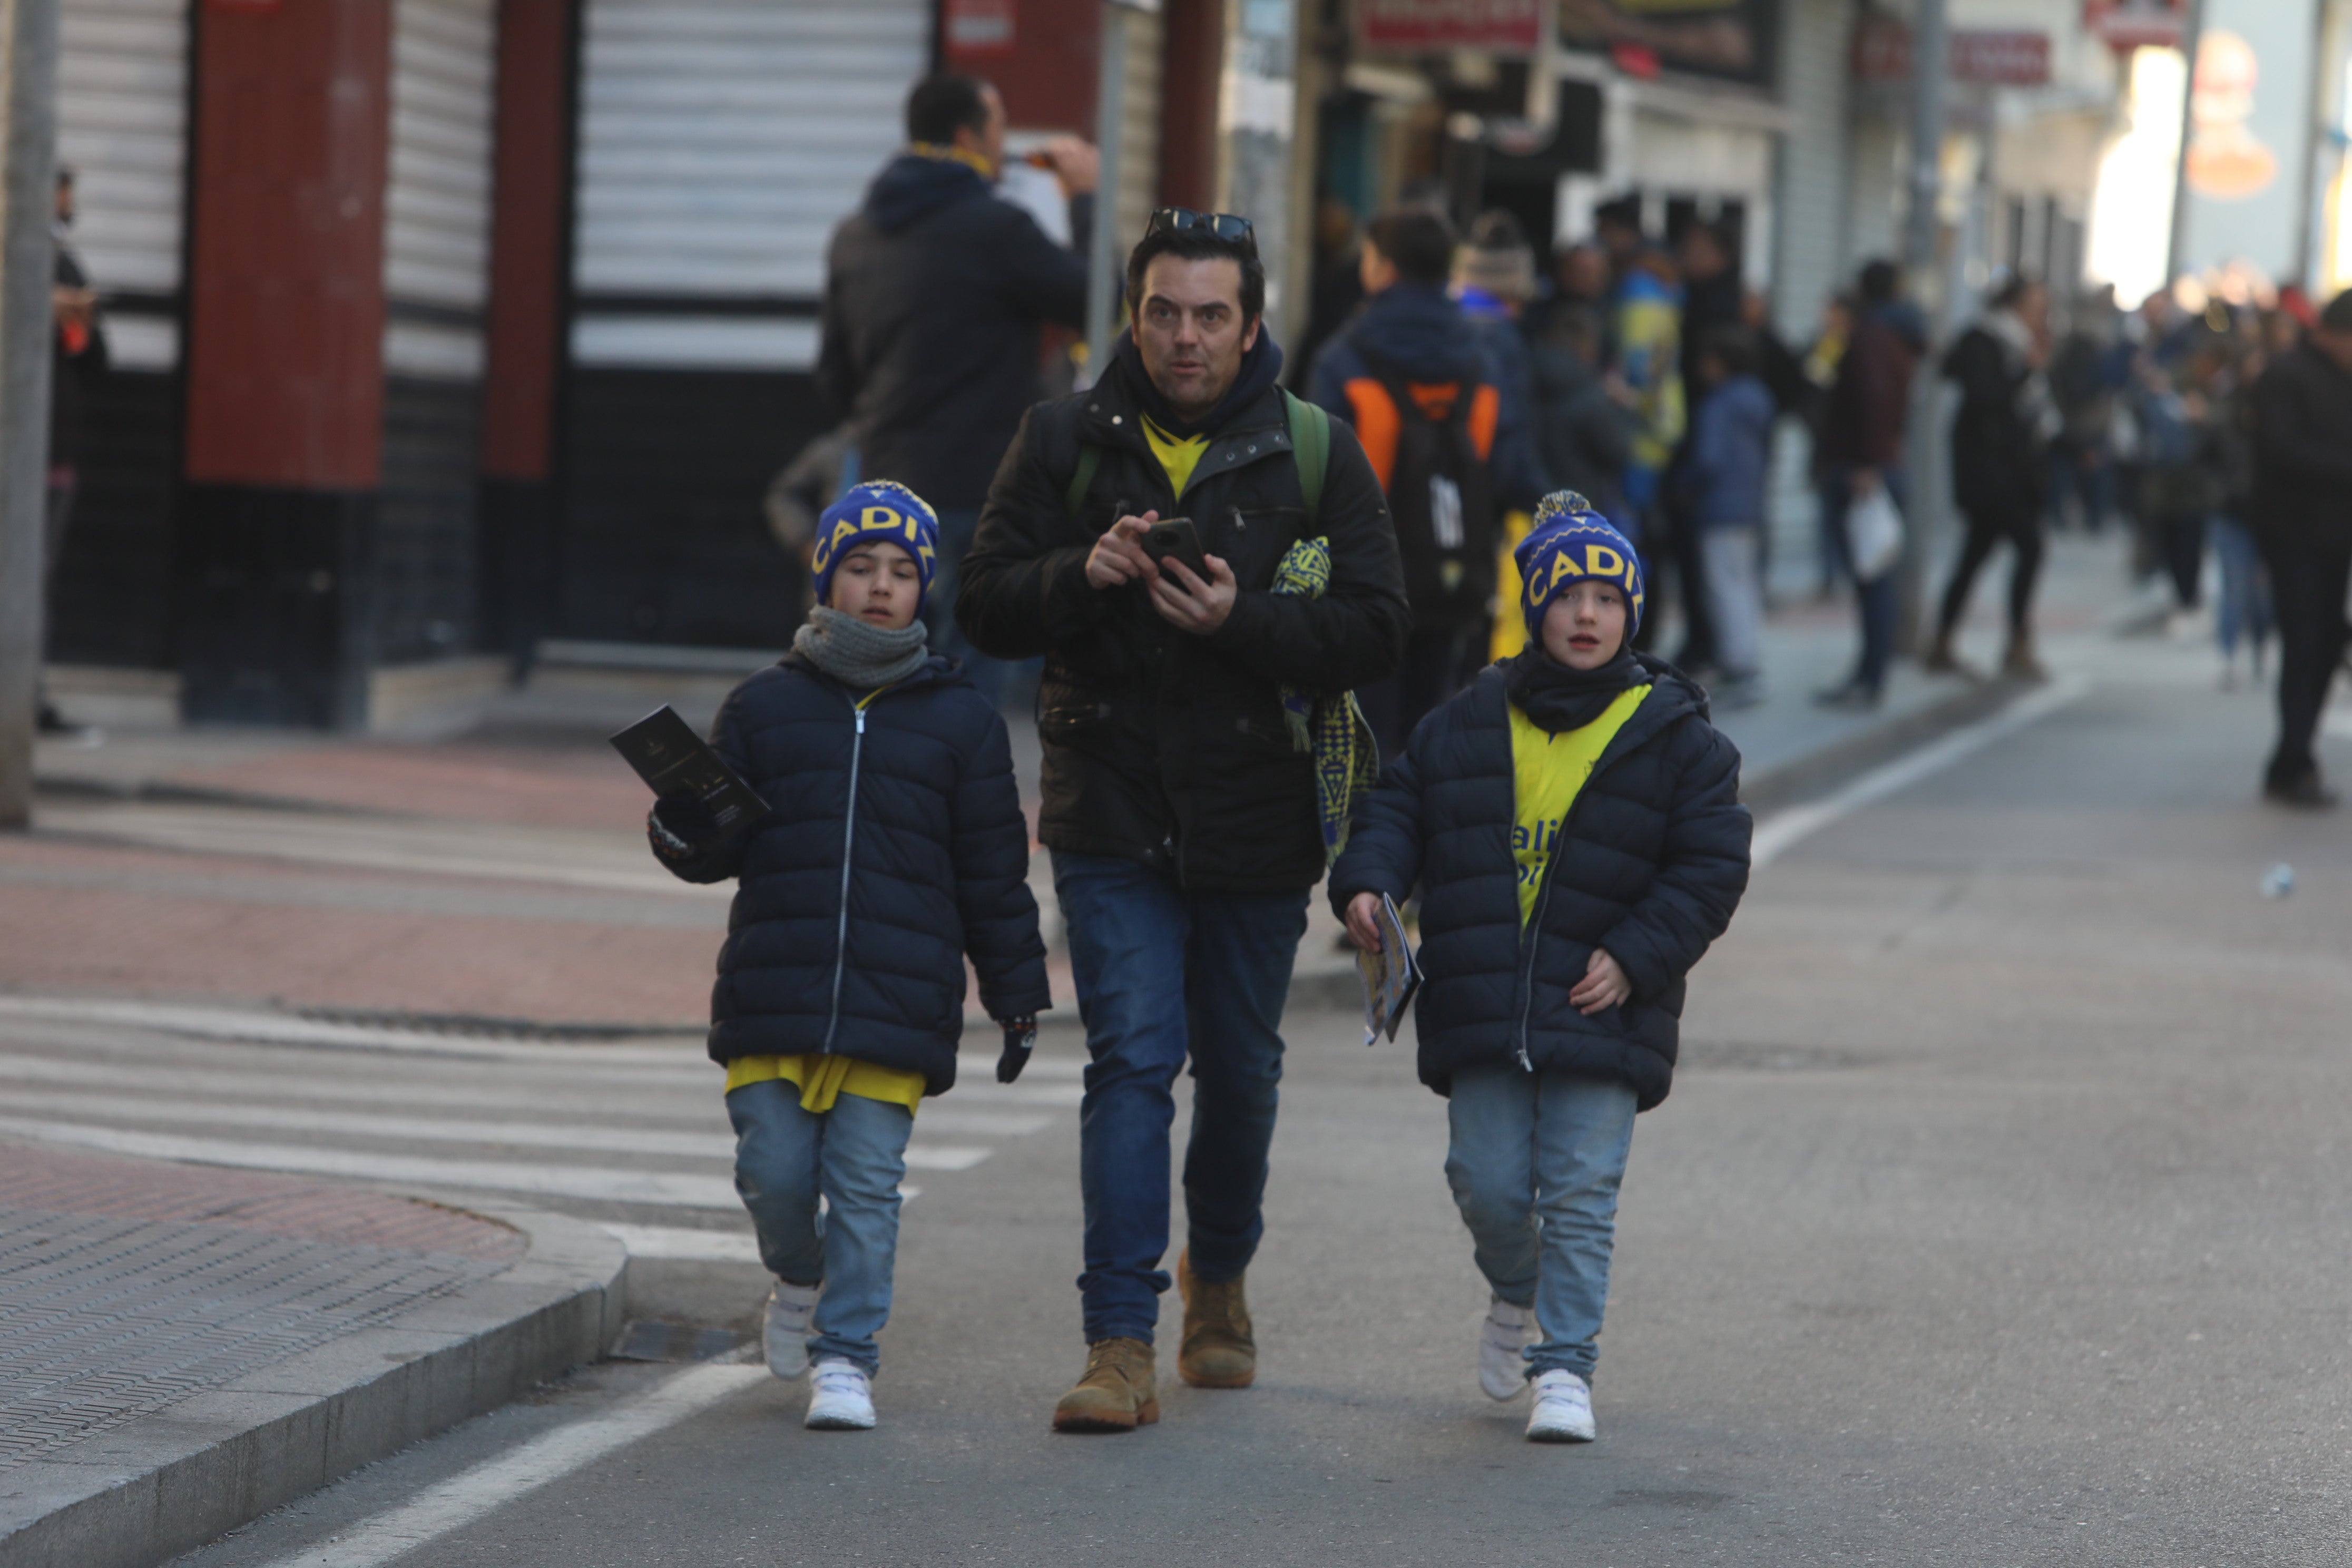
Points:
x=1414 y=330
x=912 y=186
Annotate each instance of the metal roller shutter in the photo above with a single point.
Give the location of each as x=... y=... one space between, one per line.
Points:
x=720 y=142
x=438 y=203
x=122 y=127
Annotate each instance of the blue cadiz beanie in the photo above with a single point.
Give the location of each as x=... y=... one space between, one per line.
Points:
x=1571 y=544
x=880 y=511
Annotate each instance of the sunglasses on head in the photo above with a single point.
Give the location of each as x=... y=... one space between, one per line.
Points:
x=1226 y=227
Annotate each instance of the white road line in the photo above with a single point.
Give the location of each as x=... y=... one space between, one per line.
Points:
x=677 y=1242
x=139 y=1076
x=660 y=1188
x=463 y=1498
x=1781 y=832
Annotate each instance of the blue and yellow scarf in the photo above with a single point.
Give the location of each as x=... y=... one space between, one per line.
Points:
x=1332 y=728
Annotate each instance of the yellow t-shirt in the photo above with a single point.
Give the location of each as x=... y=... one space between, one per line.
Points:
x=1178 y=457
x=822 y=1078
x=1546 y=773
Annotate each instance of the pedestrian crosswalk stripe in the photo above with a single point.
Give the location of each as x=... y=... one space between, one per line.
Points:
x=586 y=1137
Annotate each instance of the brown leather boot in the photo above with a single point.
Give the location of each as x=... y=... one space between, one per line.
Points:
x=1218 y=1351
x=1119 y=1393
x=1942 y=660
x=2019 y=663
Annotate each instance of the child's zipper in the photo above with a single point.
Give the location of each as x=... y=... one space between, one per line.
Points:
x=848 y=846
x=1543 y=898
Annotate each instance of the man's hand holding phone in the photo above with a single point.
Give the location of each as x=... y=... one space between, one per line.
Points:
x=1118 y=555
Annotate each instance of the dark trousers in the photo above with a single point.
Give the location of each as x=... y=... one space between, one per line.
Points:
x=2309 y=574
x=1987 y=527
x=1697 y=651
x=1438 y=662
x=1877 y=603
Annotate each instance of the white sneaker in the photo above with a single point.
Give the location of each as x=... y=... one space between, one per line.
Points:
x=785 y=1335
x=1563 y=1412
x=841 y=1398
x=1503 y=1339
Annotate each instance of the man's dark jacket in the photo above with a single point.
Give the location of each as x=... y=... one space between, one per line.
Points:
x=1996 y=457
x=931 y=856
x=2303 y=448
x=935 y=292
x=1161 y=746
x=1650 y=863
x=1869 y=405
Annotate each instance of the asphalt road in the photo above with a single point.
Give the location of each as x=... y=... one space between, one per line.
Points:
x=1999 y=1216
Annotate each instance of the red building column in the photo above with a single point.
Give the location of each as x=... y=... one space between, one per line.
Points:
x=530 y=188
x=285 y=360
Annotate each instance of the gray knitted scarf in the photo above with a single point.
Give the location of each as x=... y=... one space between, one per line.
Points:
x=858 y=654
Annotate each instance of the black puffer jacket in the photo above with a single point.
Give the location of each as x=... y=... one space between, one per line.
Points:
x=912 y=816
x=1161 y=746
x=1650 y=865
x=934 y=295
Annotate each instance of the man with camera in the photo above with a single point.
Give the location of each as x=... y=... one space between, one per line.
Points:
x=1185 y=713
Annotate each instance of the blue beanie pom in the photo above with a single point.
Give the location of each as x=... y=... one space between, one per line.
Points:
x=1571 y=544
x=883 y=512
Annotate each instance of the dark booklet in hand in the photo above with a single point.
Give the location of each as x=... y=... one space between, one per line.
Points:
x=671 y=757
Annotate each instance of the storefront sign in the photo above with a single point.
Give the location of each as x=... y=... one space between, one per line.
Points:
x=1980 y=57
x=978 y=26
x=1729 y=39
x=1512 y=27
x=2136 y=24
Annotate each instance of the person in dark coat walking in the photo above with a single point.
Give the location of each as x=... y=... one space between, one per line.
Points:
x=2303 y=521
x=894 y=846
x=1999 y=434
x=77 y=360
x=1405 y=374
x=935 y=294
x=1574 y=826
x=1199 y=759
x=1858 y=449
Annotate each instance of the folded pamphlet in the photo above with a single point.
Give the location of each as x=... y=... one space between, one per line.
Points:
x=1390 y=976
x=671 y=757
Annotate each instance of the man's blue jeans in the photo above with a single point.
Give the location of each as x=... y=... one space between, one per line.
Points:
x=1535 y=1168
x=854 y=1157
x=1161 y=974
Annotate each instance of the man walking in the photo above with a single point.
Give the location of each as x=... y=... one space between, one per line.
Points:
x=1858 y=450
x=1998 y=464
x=2303 y=520
x=1183 y=741
x=76 y=360
x=1413 y=379
x=935 y=294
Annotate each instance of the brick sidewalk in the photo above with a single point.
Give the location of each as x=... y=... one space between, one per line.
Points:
x=126 y=1288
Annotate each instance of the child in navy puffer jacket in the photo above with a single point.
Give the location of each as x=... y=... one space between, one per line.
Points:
x=895 y=844
x=1574 y=824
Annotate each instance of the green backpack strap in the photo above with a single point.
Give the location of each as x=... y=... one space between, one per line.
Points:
x=1310 y=447
x=1089 y=459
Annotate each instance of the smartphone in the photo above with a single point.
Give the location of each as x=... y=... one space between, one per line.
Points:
x=1175 y=538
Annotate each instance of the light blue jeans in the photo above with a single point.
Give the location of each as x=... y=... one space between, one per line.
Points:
x=853 y=1156
x=1535 y=1167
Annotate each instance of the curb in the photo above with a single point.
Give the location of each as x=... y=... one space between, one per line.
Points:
x=171 y=1481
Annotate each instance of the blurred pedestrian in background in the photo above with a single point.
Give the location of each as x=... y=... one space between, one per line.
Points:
x=76 y=360
x=1494 y=283
x=1721 y=480
x=1646 y=330
x=2083 y=385
x=935 y=296
x=1820 y=368
x=1997 y=439
x=1711 y=297
x=1413 y=378
x=2303 y=520
x=2242 y=611
x=1859 y=452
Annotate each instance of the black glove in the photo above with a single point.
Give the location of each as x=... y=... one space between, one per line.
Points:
x=682 y=818
x=1020 y=1037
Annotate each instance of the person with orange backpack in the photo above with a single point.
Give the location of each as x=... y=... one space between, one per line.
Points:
x=1409 y=374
